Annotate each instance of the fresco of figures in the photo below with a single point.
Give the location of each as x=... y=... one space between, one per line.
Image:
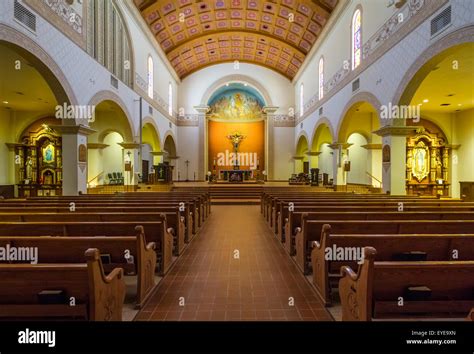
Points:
x=236 y=105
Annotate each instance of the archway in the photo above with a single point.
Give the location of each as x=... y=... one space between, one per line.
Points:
x=236 y=133
x=106 y=147
x=321 y=153
x=151 y=149
x=446 y=115
x=359 y=154
x=30 y=93
x=301 y=157
x=170 y=157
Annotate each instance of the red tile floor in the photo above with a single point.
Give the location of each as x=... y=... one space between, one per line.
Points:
x=234 y=270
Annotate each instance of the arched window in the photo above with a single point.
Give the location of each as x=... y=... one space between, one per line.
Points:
x=356 y=39
x=301 y=100
x=321 y=78
x=150 y=76
x=170 y=99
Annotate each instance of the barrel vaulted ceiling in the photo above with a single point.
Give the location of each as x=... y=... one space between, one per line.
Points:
x=277 y=34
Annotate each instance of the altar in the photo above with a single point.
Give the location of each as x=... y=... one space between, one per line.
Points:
x=236 y=176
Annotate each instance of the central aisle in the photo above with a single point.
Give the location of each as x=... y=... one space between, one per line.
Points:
x=234 y=270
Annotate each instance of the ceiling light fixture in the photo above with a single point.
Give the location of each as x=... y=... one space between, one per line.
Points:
x=426 y=100
x=5 y=102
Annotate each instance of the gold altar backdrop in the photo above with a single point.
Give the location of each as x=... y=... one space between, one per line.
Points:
x=254 y=142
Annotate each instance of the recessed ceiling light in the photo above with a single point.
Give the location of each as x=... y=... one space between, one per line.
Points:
x=426 y=100
x=5 y=102
x=445 y=104
x=459 y=104
x=450 y=95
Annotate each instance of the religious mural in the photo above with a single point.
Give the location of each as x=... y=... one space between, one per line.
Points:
x=236 y=105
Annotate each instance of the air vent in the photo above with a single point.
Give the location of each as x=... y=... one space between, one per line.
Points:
x=320 y=110
x=441 y=21
x=355 y=85
x=170 y=125
x=114 y=81
x=301 y=125
x=150 y=110
x=24 y=15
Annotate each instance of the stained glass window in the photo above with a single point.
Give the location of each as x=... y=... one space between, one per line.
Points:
x=321 y=78
x=150 y=76
x=356 y=39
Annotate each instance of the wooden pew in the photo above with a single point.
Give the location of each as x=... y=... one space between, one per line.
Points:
x=191 y=213
x=98 y=297
x=382 y=214
x=293 y=219
x=438 y=247
x=155 y=231
x=374 y=292
x=113 y=208
x=173 y=220
x=311 y=231
x=71 y=250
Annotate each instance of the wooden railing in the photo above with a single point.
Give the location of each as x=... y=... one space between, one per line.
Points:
x=374 y=178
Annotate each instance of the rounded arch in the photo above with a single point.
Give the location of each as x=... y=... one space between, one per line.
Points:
x=105 y=95
x=42 y=61
x=357 y=100
x=170 y=139
x=302 y=143
x=320 y=124
x=236 y=78
x=428 y=59
x=151 y=133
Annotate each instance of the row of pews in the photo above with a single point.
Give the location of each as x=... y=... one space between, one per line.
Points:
x=81 y=249
x=381 y=257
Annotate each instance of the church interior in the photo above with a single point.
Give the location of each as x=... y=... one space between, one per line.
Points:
x=237 y=160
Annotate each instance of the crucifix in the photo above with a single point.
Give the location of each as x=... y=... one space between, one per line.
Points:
x=187 y=168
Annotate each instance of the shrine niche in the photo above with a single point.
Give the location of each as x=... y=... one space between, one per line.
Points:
x=427 y=166
x=38 y=160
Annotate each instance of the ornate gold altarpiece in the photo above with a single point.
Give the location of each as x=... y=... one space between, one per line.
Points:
x=427 y=165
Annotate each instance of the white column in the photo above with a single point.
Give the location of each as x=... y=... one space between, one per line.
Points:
x=394 y=158
x=74 y=157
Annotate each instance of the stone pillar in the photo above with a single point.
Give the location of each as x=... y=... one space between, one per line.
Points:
x=130 y=159
x=339 y=157
x=394 y=158
x=269 y=167
x=202 y=144
x=74 y=157
x=313 y=159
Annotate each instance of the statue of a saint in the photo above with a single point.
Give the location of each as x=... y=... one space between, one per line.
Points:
x=29 y=168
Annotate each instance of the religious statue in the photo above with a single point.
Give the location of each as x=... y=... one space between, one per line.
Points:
x=29 y=168
x=236 y=139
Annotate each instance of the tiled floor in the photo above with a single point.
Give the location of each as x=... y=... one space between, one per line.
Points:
x=234 y=270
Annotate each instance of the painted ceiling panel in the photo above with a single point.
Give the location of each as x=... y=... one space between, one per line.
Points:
x=277 y=34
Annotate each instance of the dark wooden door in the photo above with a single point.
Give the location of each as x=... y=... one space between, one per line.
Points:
x=145 y=170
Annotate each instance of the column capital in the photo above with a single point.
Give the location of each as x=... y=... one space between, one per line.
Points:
x=98 y=146
x=73 y=129
x=129 y=145
x=298 y=157
x=314 y=153
x=343 y=146
x=372 y=146
x=270 y=109
x=391 y=130
x=202 y=109
x=158 y=153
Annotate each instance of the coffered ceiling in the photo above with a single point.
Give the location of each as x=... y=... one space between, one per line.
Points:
x=277 y=34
